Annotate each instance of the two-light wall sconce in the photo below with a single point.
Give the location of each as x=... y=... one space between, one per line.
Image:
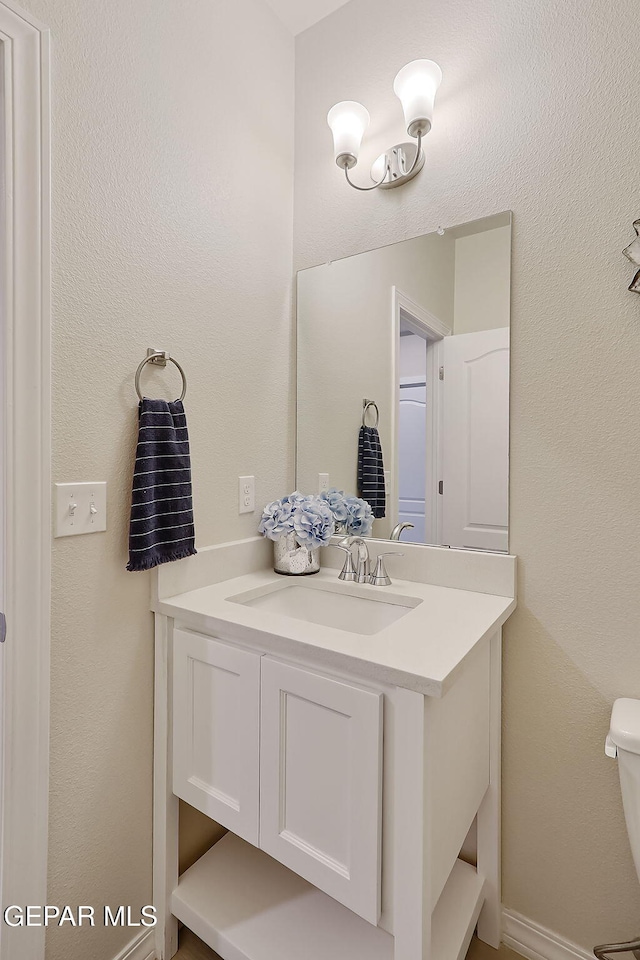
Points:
x=415 y=86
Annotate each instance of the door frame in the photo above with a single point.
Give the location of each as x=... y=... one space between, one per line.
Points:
x=426 y=325
x=25 y=315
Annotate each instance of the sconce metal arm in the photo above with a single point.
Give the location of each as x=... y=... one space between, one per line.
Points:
x=417 y=156
x=364 y=189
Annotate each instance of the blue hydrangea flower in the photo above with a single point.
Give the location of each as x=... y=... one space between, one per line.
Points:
x=359 y=517
x=313 y=523
x=277 y=519
x=336 y=501
x=296 y=497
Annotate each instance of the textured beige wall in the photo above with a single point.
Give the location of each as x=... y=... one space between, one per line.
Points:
x=482 y=296
x=536 y=114
x=198 y=833
x=167 y=233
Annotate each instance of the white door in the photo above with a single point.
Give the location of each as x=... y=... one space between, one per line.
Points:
x=216 y=731
x=26 y=491
x=476 y=440
x=412 y=460
x=320 y=786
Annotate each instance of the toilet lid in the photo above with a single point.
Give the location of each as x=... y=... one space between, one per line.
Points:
x=625 y=725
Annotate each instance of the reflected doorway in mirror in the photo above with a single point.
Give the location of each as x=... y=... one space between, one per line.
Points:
x=418 y=336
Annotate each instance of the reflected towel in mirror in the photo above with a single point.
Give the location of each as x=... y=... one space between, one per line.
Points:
x=371 y=470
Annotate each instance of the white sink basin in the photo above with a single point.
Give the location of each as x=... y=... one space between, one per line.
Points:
x=343 y=608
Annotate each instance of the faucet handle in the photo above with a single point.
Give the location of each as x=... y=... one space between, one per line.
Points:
x=363 y=569
x=380 y=577
x=348 y=571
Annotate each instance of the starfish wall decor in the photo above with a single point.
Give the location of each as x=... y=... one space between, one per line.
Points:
x=632 y=252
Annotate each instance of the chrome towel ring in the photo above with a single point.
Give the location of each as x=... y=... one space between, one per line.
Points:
x=159 y=358
x=365 y=406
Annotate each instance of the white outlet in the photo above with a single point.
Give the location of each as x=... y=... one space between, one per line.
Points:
x=246 y=494
x=80 y=508
x=323 y=482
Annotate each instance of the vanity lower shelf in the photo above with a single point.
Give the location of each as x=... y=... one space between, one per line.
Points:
x=247 y=906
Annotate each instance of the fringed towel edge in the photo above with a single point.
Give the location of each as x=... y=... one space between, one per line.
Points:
x=148 y=563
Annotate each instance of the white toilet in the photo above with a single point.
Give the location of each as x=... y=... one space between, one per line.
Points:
x=623 y=742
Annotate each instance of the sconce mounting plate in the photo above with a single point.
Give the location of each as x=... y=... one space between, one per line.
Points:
x=398 y=159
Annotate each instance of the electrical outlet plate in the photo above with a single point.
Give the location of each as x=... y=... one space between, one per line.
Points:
x=323 y=482
x=246 y=494
x=80 y=508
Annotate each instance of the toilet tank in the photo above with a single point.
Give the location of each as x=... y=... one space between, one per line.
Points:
x=624 y=742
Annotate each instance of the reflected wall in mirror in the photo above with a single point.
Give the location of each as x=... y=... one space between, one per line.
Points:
x=421 y=328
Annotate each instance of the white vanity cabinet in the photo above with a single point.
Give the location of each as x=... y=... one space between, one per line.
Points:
x=216 y=731
x=357 y=773
x=348 y=800
x=320 y=782
x=287 y=758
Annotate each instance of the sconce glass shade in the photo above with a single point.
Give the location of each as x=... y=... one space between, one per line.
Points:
x=348 y=121
x=415 y=86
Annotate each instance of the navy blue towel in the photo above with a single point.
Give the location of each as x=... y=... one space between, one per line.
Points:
x=161 y=527
x=371 y=470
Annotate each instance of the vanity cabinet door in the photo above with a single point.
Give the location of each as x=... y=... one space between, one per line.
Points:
x=320 y=793
x=216 y=731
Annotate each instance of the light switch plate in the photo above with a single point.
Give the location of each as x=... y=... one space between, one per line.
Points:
x=80 y=508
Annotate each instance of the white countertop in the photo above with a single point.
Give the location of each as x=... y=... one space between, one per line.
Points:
x=422 y=651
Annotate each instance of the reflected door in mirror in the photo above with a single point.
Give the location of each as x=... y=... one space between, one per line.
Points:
x=476 y=440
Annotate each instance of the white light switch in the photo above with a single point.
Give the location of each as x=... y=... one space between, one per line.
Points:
x=323 y=482
x=80 y=508
x=246 y=494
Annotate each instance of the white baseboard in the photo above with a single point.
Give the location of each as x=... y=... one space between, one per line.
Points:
x=142 y=947
x=537 y=943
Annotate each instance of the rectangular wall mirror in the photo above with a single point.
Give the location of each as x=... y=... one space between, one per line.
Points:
x=413 y=339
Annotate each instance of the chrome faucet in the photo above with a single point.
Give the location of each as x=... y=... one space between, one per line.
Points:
x=399 y=527
x=363 y=568
x=362 y=573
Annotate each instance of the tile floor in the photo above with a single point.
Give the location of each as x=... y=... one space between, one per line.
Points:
x=193 y=949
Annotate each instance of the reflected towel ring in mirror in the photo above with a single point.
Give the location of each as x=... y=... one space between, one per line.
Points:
x=365 y=406
x=159 y=358
x=632 y=253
